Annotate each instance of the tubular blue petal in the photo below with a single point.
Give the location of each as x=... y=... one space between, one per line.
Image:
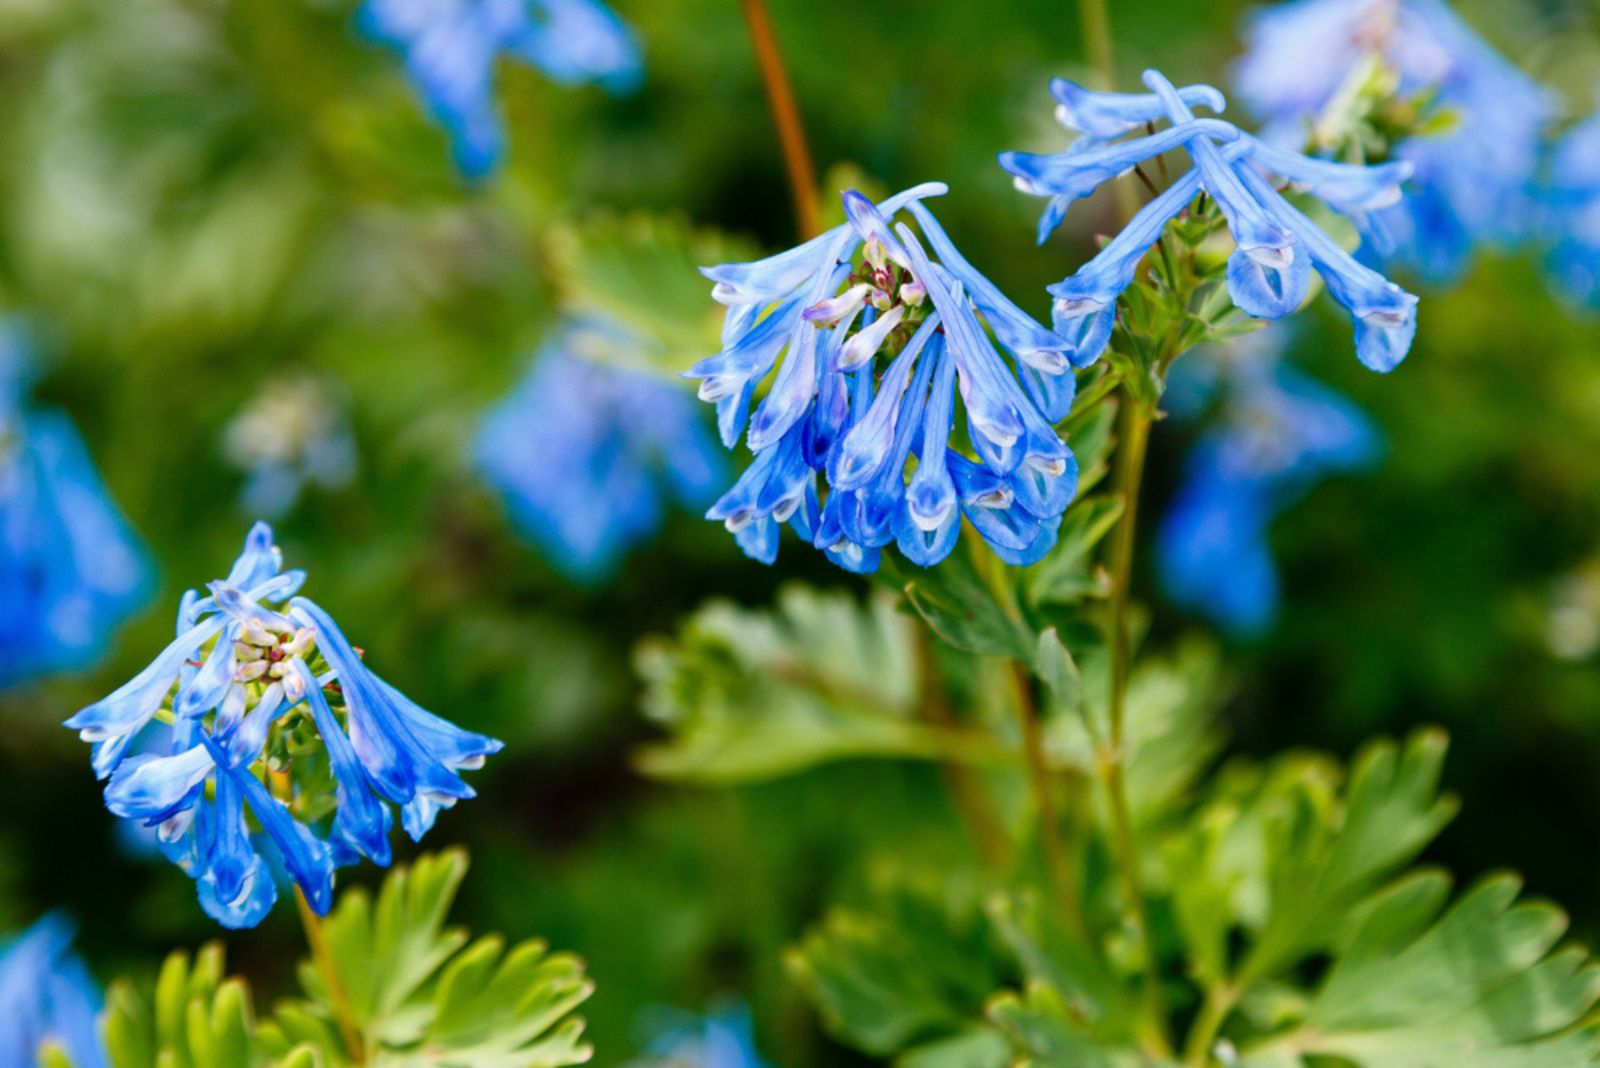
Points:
x=1385 y=314
x=144 y=787
x=390 y=752
x=1256 y=234
x=1075 y=175
x=1029 y=342
x=361 y=816
x=1108 y=115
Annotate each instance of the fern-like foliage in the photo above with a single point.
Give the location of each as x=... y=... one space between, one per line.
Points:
x=419 y=994
x=423 y=994
x=1291 y=935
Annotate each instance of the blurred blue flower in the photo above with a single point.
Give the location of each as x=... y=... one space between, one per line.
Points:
x=1279 y=433
x=1572 y=212
x=586 y=456
x=1470 y=185
x=1269 y=272
x=723 y=1038
x=292 y=434
x=70 y=569
x=185 y=743
x=451 y=47
x=869 y=352
x=47 y=995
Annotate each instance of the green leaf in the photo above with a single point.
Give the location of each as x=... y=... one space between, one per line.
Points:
x=1171 y=730
x=1475 y=987
x=908 y=976
x=191 y=1018
x=961 y=608
x=641 y=273
x=1042 y=1024
x=749 y=694
x=1323 y=854
x=421 y=996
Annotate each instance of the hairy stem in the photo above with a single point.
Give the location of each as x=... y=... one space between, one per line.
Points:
x=343 y=1016
x=785 y=116
x=1113 y=756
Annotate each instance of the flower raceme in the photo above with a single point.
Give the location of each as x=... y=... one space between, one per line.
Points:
x=1269 y=272
x=872 y=337
x=259 y=738
x=451 y=47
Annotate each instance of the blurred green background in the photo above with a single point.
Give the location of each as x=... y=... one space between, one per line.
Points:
x=199 y=197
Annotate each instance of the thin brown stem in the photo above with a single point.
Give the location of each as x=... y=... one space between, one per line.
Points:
x=785 y=116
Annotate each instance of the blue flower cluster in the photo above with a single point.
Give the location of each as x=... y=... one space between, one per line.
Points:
x=451 y=46
x=871 y=337
x=586 y=456
x=70 y=569
x=197 y=744
x=47 y=995
x=1277 y=245
x=1278 y=434
x=1572 y=212
x=1470 y=185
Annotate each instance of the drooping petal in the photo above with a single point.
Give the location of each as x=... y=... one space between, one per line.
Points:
x=1108 y=115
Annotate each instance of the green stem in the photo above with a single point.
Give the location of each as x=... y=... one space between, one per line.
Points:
x=1095 y=21
x=1060 y=873
x=1113 y=756
x=344 y=1017
x=785 y=116
x=1219 y=1001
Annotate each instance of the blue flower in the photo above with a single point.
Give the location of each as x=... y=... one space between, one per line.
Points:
x=185 y=744
x=867 y=337
x=723 y=1038
x=587 y=455
x=1571 y=196
x=1279 y=434
x=1470 y=184
x=292 y=434
x=47 y=995
x=70 y=569
x=451 y=47
x=1277 y=246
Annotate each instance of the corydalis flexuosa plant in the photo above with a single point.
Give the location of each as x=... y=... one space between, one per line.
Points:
x=259 y=735
x=873 y=338
x=1276 y=244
